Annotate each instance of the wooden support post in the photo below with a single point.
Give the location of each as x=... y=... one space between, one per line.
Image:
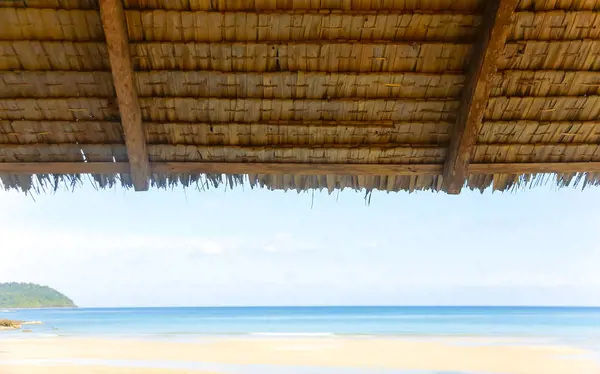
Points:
x=492 y=38
x=115 y=30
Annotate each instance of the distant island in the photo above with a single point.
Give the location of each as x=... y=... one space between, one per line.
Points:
x=29 y=295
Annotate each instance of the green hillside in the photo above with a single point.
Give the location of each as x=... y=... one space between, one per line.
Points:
x=29 y=295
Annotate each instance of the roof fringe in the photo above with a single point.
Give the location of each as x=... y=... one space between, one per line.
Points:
x=49 y=183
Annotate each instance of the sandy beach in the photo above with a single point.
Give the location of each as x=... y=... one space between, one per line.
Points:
x=75 y=369
x=445 y=354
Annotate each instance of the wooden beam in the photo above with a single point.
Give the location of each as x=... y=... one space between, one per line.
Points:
x=303 y=123
x=288 y=168
x=300 y=169
x=220 y=168
x=115 y=30
x=64 y=167
x=486 y=52
x=535 y=168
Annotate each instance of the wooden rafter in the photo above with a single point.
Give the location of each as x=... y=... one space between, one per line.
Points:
x=115 y=30
x=288 y=168
x=480 y=73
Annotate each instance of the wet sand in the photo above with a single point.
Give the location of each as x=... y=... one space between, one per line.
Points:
x=37 y=369
x=444 y=354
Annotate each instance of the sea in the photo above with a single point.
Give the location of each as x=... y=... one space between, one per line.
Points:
x=177 y=323
x=573 y=326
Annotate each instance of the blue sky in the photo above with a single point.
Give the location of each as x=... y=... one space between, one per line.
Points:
x=257 y=247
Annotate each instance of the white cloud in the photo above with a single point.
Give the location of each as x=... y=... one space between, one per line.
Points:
x=19 y=242
x=286 y=242
x=209 y=246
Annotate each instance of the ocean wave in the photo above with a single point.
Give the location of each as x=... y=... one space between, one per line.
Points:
x=329 y=317
x=324 y=318
x=293 y=334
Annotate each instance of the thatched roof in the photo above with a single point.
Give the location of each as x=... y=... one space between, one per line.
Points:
x=300 y=94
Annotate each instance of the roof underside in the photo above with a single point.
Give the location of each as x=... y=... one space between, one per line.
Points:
x=299 y=94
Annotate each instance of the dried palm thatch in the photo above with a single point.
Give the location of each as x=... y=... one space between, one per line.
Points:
x=299 y=94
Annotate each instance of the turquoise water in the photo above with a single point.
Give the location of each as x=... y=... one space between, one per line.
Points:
x=530 y=322
x=571 y=326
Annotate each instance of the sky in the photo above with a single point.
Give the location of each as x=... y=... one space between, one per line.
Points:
x=256 y=247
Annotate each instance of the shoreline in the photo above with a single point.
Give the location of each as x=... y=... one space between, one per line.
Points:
x=588 y=344
x=452 y=355
x=176 y=337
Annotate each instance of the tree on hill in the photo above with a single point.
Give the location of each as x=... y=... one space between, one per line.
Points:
x=29 y=295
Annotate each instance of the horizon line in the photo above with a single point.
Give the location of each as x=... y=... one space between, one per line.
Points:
x=324 y=306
